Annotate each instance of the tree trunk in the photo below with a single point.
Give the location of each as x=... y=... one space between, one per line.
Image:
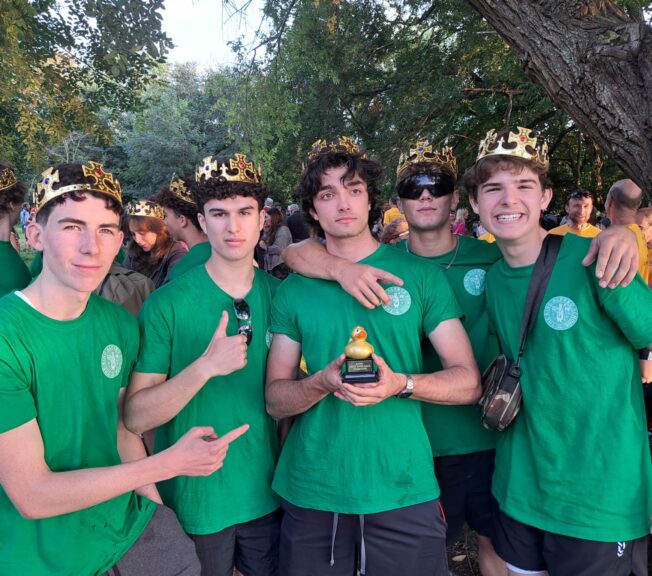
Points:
x=594 y=62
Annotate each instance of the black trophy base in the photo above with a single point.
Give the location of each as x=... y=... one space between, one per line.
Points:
x=359 y=371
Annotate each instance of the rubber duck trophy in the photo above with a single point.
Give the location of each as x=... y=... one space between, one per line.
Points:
x=358 y=366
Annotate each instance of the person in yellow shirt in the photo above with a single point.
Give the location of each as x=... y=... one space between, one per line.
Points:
x=579 y=206
x=623 y=200
x=393 y=211
x=644 y=220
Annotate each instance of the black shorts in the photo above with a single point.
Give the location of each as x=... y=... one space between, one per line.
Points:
x=251 y=547
x=465 y=483
x=408 y=541
x=524 y=548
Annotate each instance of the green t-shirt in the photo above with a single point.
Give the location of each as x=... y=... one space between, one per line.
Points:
x=458 y=429
x=68 y=375
x=361 y=460
x=178 y=321
x=36 y=266
x=198 y=254
x=576 y=460
x=15 y=274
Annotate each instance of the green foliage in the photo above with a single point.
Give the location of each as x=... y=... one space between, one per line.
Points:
x=178 y=127
x=388 y=73
x=62 y=61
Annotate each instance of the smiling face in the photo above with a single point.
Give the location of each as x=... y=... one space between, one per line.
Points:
x=510 y=202
x=341 y=205
x=233 y=226
x=579 y=210
x=79 y=241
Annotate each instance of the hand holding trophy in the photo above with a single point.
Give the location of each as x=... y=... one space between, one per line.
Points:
x=358 y=366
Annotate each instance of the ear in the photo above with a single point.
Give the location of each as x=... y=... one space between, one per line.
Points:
x=546 y=198
x=474 y=204
x=34 y=234
x=399 y=205
x=314 y=214
x=183 y=221
x=202 y=222
x=261 y=219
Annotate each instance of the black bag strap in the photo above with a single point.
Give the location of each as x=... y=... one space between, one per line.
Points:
x=537 y=288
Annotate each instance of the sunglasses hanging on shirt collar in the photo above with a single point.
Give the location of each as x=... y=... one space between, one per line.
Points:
x=438 y=185
x=243 y=314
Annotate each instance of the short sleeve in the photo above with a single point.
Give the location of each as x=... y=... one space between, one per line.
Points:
x=17 y=404
x=155 y=339
x=439 y=303
x=284 y=320
x=630 y=308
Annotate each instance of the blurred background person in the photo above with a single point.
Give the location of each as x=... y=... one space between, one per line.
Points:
x=150 y=249
x=276 y=238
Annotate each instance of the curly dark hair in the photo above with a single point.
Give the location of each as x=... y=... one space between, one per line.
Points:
x=486 y=167
x=73 y=174
x=371 y=172
x=202 y=192
x=170 y=200
x=12 y=196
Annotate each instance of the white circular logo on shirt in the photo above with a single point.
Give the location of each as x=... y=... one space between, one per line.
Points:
x=268 y=338
x=474 y=281
x=400 y=301
x=560 y=313
x=111 y=361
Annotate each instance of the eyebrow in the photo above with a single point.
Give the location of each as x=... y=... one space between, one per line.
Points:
x=83 y=223
x=218 y=209
x=354 y=182
x=520 y=181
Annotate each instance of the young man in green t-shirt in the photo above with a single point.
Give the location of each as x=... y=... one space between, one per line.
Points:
x=67 y=504
x=181 y=217
x=573 y=477
x=15 y=275
x=202 y=361
x=355 y=473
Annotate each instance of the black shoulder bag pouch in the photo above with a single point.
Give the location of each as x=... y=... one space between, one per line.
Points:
x=501 y=382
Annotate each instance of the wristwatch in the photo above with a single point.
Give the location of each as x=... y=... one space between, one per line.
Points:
x=645 y=354
x=409 y=387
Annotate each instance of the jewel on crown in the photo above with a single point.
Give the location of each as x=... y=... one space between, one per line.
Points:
x=238 y=169
x=341 y=145
x=7 y=178
x=520 y=144
x=423 y=153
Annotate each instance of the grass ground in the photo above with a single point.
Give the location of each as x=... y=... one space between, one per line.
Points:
x=26 y=254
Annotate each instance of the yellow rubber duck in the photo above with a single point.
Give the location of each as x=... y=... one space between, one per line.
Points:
x=358 y=348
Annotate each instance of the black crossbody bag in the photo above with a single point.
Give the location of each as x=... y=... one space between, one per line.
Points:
x=501 y=382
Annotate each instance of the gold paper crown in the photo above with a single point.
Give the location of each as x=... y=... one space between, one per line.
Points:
x=519 y=144
x=422 y=153
x=7 y=178
x=180 y=190
x=93 y=178
x=238 y=169
x=145 y=208
x=342 y=145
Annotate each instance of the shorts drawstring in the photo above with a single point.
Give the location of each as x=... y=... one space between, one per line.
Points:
x=334 y=532
x=363 y=553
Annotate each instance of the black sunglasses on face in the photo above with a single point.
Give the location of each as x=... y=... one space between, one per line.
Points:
x=243 y=314
x=437 y=185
